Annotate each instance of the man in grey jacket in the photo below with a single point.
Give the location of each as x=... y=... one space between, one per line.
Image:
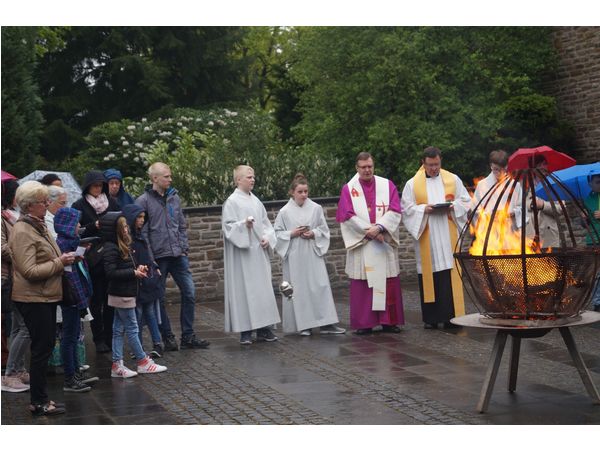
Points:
x=165 y=232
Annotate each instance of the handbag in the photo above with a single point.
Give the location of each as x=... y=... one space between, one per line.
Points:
x=93 y=256
x=69 y=298
x=150 y=288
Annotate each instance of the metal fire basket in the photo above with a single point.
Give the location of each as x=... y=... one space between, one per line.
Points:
x=534 y=283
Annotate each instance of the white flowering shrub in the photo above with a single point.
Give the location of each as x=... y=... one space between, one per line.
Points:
x=202 y=147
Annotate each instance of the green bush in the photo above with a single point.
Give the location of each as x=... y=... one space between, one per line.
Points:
x=202 y=147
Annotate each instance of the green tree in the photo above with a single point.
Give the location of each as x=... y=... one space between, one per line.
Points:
x=263 y=52
x=21 y=116
x=395 y=90
x=104 y=74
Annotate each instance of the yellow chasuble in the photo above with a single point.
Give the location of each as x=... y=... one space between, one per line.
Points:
x=420 y=190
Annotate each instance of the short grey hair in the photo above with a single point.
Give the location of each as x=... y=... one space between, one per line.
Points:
x=55 y=192
x=156 y=169
x=29 y=193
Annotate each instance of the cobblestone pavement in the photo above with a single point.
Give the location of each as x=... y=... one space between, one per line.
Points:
x=415 y=377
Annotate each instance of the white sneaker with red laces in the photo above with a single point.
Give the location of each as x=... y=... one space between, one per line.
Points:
x=120 y=371
x=147 y=365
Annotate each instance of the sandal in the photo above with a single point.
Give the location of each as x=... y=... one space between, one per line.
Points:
x=47 y=409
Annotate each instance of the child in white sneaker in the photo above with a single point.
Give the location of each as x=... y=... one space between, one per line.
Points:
x=123 y=273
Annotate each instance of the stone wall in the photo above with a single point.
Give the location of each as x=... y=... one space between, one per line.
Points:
x=576 y=85
x=206 y=250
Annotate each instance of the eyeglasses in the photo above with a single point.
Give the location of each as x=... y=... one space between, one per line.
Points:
x=45 y=202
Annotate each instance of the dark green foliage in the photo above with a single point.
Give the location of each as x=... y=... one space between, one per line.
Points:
x=104 y=74
x=125 y=96
x=395 y=90
x=21 y=117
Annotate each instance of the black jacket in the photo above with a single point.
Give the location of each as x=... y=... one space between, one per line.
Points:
x=88 y=214
x=149 y=289
x=120 y=273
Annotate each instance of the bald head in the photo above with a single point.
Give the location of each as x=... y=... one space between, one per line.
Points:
x=160 y=175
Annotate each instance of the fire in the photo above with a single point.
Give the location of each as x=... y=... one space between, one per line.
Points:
x=477 y=180
x=503 y=239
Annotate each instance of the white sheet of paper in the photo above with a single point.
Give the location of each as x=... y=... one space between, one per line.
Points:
x=68 y=268
x=80 y=251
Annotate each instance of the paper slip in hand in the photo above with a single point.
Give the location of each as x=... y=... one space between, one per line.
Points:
x=80 y=251
x=68 y=268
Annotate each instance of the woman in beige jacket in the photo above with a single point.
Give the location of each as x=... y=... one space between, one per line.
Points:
x=37 y=286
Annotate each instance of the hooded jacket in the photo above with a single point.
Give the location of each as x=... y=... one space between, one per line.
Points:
x=123 y=198
x=165 y=229
x=88 y=214
x=149 y=288
x=67 y=239
x=120 y=272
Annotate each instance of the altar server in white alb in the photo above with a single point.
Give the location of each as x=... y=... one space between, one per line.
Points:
x=498 y=160
x=302 y=242
x=249 y=239
x=435 y=205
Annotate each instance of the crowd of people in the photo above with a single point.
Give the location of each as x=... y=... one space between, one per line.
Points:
x=106 y=258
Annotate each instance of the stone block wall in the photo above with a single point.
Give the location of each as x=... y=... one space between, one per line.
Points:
x=206 y=250
x=576 y=85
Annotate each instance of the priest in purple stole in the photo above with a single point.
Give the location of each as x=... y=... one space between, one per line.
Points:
x=369 y=214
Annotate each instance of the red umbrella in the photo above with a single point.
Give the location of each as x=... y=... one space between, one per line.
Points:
x=7 y=176
x=523 y=159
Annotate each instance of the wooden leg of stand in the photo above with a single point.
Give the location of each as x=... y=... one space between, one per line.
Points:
x=492 y=371
x=514 y=364
x=580 y=364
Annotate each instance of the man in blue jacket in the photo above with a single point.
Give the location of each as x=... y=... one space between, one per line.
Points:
x=165 y=231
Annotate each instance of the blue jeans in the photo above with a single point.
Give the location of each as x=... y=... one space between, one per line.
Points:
x=179 y=269
x=19 y=344
x=146 y=314
x=125 y=323
x=71 y=329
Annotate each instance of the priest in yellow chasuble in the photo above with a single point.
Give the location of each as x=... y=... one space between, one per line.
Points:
x=435 y=205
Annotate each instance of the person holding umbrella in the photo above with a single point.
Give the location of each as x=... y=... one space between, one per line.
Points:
x=592 y=205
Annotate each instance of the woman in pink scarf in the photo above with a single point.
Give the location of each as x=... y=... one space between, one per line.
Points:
x=93 y=204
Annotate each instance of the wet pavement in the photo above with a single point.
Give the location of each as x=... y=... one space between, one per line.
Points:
x=415 y=377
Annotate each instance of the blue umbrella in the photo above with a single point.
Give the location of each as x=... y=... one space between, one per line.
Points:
x=575 y=178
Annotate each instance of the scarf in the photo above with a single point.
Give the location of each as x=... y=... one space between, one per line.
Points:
x=35 y=222
x=420 y=188
x=100 y=203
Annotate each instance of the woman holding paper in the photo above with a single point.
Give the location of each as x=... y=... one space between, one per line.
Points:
x=37 y=286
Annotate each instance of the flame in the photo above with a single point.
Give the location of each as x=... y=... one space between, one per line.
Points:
x=477 y=180
x=503 y=240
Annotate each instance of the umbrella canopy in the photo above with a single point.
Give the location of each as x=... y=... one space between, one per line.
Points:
x=68 y=181
x=7 y=176
x=574 y=178
x=523 y=159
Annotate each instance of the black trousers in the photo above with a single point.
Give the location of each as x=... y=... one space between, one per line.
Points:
x=40 y=320
x=442 y=310
x=101 y=312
